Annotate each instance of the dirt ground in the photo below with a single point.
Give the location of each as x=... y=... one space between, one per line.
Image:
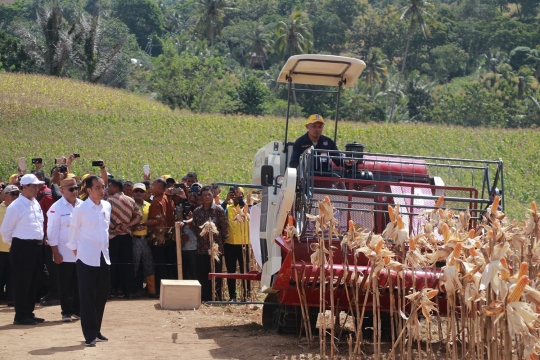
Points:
x=139 y=329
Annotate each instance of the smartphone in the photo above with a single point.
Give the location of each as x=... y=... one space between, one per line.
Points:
x=231 y=189
x=21 y=163
x=76 y=155
x=37 y=160
x=62 y=168
x=146 y=169
x=97 y=163
x=60 y=160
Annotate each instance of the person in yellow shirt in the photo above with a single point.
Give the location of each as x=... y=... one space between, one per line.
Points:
x=141 y=250
x=11 y=192
x=236 y=246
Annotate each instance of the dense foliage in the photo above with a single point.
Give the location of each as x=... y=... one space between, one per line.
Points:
x=470 y=63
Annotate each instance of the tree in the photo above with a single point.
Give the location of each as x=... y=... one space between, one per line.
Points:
x=346 y=10
x=449 y=60
x=91 y=54
x=12 y=55
x=53 y=47
x=143 y=18
x=376 y=69
x=252 y=94
x=328 y=34
x=420 y=101
x=294 y=36
x=419 y=13
x=210 y=18
x=261 y=43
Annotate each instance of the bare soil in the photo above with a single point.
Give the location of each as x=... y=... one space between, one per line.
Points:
x=139 y=329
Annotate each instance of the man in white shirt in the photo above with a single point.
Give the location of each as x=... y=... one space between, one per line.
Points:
x=23 y=229
x=59 y=216
x=89 y=240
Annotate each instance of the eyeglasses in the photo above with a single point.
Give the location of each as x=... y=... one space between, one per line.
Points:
x=72 y=189
x=139 y=191
x=14 y=194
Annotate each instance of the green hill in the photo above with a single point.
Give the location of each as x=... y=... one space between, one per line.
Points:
x=49 y=117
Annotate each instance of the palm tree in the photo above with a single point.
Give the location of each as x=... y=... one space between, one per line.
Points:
x=210 y=18
x=376 y=69
x=419 y=14
x=295 y=36
x=261 y=44
x=89 y=51
x=54 y=45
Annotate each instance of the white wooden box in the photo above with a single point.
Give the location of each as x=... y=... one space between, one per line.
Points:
x=180 y=294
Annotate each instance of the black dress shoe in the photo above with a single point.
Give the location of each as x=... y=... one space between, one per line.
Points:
x=101 y=338
x=27 y=321
x=38 y=320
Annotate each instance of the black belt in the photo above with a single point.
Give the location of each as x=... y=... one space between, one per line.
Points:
x=37 y=242
x=139 y=236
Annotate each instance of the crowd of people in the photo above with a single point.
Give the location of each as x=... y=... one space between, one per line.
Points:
x=141 y=237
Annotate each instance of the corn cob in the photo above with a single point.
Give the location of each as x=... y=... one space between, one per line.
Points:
x=505 y=275
x=457 y=250
x=495 y=205
x=327 y=199
x=290 y=221
x=473 y=251
x=386 y=260
x=351 y=226
x=391 y=213
x=515 y=295
x=412 y=244
x=379 y=246
x=400 y=223
x=471 y=233
x=523 y=269
x=439 y=201
x=533 y=206
x=446 y=232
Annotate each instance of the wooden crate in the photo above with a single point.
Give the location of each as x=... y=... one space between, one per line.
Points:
x=180 y=294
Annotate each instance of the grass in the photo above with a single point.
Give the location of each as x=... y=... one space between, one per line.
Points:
x=49 y=117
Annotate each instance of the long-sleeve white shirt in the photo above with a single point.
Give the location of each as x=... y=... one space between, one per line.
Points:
x=89 y=232
x=23 y=220
x=58 y=225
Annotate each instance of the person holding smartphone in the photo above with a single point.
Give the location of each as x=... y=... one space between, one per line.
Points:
x=237 y=243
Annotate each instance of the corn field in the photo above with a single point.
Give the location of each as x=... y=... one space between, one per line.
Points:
x=485 y=304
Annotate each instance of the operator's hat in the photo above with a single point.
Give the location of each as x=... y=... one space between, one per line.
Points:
x=315 y=118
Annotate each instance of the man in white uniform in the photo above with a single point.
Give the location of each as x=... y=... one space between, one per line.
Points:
x=59 y=216
x=89 y=240
x=23 y=229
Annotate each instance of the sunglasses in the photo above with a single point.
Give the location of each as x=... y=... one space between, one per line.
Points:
x=72 y=189
x=139 y=191
x=13 y=194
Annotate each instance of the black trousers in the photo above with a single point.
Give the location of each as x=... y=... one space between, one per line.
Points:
x=68 y=288
x=5 y=277
x=189 y=264
x=50 y=282
x=121 y=253
x=233 y=254
x=94 y=287
x=164 y=263
x=26 y=262
x=203 y=269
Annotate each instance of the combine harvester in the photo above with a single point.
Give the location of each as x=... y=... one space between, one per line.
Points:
x=361 y=190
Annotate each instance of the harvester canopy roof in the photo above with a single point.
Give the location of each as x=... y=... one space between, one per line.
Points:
x=324 y=70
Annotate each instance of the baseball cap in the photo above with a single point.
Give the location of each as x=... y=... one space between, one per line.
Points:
x=140 y=186
x=12 y=176
x=314 y=118
x=11 y=188
x=31 y=179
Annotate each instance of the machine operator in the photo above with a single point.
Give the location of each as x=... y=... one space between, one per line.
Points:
x=314 y=137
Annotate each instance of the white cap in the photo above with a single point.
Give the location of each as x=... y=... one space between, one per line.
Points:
x=30 y=179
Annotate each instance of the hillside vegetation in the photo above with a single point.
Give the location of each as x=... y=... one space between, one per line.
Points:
x=49 y=117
